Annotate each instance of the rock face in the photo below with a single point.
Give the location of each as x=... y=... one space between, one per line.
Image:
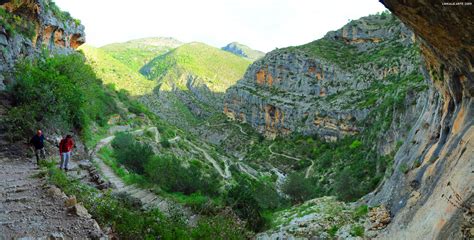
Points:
x=433 y=198
x=330 y=86
x=28 y=26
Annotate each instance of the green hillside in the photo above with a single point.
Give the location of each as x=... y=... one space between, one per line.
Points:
x=113 y=71
x=136 y=53
x=243 y=51
x=217 y=68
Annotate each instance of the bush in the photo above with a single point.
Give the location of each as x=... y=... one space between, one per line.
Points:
x=300 y=188
x=250 y=199
x=132 y=154
x=167 y=172
x=240 y=197
x=357 y=230
x=60 y=92
x=218 y=227
x=126 y=221
x=355 y=144
x=165 y=143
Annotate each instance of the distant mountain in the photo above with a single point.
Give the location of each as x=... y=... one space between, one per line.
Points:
x=113 y=71
x=136 y=53
x=193 y=79
x=243 y=50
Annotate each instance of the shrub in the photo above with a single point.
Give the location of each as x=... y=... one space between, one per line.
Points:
x=60 y=92
x=300 y=188
x=165 y=143
x=361 y=211
x=357 y=230
x=131 y=153
x=240 y=197
x=355 y=144
x=167 y=172
x=219 y=227
x=252 y=200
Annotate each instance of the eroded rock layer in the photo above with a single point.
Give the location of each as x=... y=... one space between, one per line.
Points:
x=330 y=86
x=28 y=27
x=432 y=198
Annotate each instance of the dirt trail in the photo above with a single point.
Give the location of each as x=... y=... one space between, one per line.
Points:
x=29 y=208
x=281 y=154
x=308 y=170
x=224 y=173
x=147 y=198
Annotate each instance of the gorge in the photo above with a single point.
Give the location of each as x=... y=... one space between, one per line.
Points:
x=366 y=133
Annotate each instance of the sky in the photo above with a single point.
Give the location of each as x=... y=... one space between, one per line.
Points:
x=260 y=24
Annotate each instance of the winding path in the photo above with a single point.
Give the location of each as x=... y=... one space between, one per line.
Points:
x=223 y=124
x=224 y=173
x=280 y=154
x=147 y=198
x=308 y=170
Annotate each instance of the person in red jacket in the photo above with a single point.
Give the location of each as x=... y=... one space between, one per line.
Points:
x=65 y=147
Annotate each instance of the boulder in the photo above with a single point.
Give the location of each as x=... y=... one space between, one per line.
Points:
x=79 y=211
x=71 y=201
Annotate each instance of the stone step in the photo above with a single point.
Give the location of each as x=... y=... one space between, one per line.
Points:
x=18 y=199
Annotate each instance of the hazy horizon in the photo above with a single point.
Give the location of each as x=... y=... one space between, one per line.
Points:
x=263 y=25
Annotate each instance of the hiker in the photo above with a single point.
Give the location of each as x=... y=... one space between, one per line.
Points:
x=65 y=147
x=38 y=143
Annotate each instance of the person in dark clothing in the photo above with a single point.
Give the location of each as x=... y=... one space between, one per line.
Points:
x=38 y=143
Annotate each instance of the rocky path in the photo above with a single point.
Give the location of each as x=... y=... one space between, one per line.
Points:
x=308 y=170
x=281 y=154
x=224 y=173
x=147 y=198
x=30 y=208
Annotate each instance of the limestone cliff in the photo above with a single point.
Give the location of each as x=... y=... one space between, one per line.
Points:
x=330 y=87
x=28 y=26
x=433 y=198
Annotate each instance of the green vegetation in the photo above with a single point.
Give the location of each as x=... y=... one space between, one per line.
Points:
x=348 y=162
x=136 y=53
x=251 y=200
x=60 y=92
x=134 y=155
x=13 y=24
x=217 y=68
x=329 y=216
x=62 y=16
x=346 y=56
x=168 y=173
x=165 y=171
x=132 y=223
x=112 y=71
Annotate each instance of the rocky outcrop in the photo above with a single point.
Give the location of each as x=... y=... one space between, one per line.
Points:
x=430 y=191
x=322 y=87
x=28 y=26
x=243 y=51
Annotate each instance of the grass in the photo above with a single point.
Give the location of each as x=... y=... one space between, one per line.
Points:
x=217 y=68
x=329 y=214
x=113 y=71
x=136 y=53
x=129 y=222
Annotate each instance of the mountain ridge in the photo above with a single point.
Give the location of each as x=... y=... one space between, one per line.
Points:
x=243 y=51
